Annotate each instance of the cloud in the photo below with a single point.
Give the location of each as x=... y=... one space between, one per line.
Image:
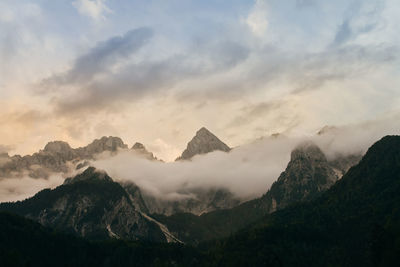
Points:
x=5 y=148
x=98 y=86
x=247 y=171
x=14 y=189
x=305 y=3
x=257 y=19
x=94 y=9
x=328 y=62
x=102 y=57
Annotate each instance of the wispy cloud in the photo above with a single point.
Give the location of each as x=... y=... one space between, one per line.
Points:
x=257 y=19
x=95 y=9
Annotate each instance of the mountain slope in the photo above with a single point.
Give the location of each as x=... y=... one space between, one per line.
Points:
x=90 y=205
x=27 y=243
x=355 y=223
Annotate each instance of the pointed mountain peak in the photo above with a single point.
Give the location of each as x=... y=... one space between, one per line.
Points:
x=90 y=174
x=203 y=130
x=203 y=142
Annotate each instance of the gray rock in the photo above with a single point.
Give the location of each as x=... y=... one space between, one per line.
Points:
x=141 y=150
x=203 y=142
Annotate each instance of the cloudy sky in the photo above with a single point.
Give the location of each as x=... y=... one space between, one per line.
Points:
x=156 y=71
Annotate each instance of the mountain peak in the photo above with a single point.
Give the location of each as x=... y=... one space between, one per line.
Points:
x=90 y=174
x=141 y=150
x=105 y=143
x=203 y=142
x=203 y=130
x=57 y=147
x=138 y=146
x=308 y=150
x=307 y=174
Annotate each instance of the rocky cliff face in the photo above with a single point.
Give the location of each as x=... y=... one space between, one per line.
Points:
x=203 y=142
x=307 y=174
x=202 y=201
x=90 y=205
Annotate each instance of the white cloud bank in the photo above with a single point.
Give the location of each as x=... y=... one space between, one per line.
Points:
x=13 y=189
x=247 y=171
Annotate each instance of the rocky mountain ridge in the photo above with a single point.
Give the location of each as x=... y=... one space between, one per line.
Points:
x=58 y=156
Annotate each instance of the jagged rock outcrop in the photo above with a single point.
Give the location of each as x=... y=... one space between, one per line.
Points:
x=90 y=205
x=203 y=142
x=110 y=144
x=140 y=149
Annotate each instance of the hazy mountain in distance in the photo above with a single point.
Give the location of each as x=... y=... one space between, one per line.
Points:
x=202 y=143
x=58 y=156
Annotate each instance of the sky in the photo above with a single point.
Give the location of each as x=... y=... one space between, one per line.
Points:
x=156 y=71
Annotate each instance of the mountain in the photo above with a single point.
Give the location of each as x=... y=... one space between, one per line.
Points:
x=306 y=176
x=203 y=142
x=90 y=205
x=58 y=156
x=355 y=223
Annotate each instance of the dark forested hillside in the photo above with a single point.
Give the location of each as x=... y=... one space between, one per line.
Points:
x=355 y=223
x=27 y=243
